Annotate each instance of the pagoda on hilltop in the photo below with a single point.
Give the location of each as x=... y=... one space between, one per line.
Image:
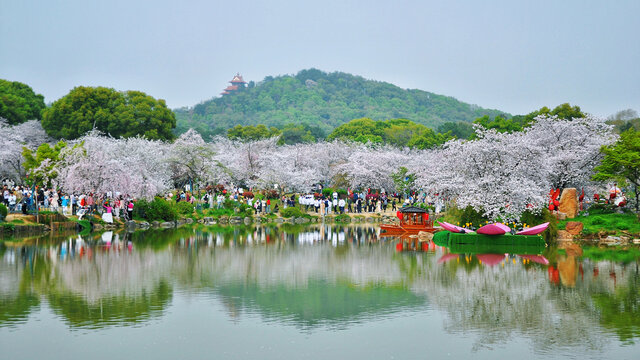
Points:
x=236 y=83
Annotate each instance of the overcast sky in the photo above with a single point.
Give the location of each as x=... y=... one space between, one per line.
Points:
x=516 y=56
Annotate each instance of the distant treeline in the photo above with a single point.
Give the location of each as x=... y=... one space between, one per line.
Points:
x=308 y=107
x=399 y=132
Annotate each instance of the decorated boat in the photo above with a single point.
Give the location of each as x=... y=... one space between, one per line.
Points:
x=481 y=243
x=490 y=249
x=412 y=221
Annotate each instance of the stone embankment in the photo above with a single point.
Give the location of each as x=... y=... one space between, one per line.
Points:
x=30 y=225
x=238 y=220
x=20 y=225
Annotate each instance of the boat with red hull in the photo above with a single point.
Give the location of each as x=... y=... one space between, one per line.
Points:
x=412 y=221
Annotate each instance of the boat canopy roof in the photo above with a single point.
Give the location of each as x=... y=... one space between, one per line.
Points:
x=412 y=210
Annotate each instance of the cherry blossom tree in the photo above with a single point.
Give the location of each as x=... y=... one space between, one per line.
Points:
x=504 y=174
x=244 y=162
x=192 y=159
x=12 y=141
x=572 y=147
x=370 y=166
x=99 y=164
x=292 y=167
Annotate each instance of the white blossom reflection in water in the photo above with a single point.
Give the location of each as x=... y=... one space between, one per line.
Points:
x=340 y=290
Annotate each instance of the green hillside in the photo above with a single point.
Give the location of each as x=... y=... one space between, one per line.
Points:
x=326 y=100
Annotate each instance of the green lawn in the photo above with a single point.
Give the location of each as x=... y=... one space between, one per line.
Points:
x=627 y=222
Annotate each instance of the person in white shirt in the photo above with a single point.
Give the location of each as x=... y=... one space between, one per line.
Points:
x=12 y=201
x=341 y=204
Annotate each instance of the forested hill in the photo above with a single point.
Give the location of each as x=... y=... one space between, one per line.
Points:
x=326 y=100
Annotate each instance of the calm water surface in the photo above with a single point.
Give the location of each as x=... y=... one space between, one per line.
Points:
x=308 y=293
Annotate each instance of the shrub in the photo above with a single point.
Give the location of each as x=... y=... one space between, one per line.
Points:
x=328 y=192
x=621 y=225
x=425 y=206
x=602 y=208
x=8 y=227
x=3 y=211
x=218 y=212
x=184 y=208
x=229 y=203
x=158 y=209
x=140 y=209
x=292 y=212
x=466 y=215
x=597 y=220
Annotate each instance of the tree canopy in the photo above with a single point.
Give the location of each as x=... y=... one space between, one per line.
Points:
x=19 y=103
x=40 y=163
x=250 y=133
x=397 y=132
x=289 y=134
x=460 y=129
x=119 y=114
x=519 y=122
x=624 y=120
x=622 y=161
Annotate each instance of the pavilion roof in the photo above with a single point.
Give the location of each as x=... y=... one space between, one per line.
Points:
x=412 y=209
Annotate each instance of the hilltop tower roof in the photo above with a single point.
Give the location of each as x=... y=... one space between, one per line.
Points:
x=237 y=79
x=236 y=83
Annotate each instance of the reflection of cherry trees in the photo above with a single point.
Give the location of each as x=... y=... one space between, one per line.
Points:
x=501 y=303
x=493 y=303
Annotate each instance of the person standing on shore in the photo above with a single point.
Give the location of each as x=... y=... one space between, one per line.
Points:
x=74 y=204
x=130 y=209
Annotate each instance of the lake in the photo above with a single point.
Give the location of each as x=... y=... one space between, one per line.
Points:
x=315 y=292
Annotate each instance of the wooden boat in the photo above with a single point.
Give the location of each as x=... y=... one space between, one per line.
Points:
x=412 y=220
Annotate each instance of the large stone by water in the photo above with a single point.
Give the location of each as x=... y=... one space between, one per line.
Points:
x=574 y=227
x=569 y=202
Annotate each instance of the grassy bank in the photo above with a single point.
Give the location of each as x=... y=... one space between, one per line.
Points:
x=618 y=223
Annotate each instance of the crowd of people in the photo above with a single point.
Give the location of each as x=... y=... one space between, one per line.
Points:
x=353 y=202
x=21 y=199
x=120 y=206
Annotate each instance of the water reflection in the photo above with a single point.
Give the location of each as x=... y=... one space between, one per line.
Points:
x=323 y=277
